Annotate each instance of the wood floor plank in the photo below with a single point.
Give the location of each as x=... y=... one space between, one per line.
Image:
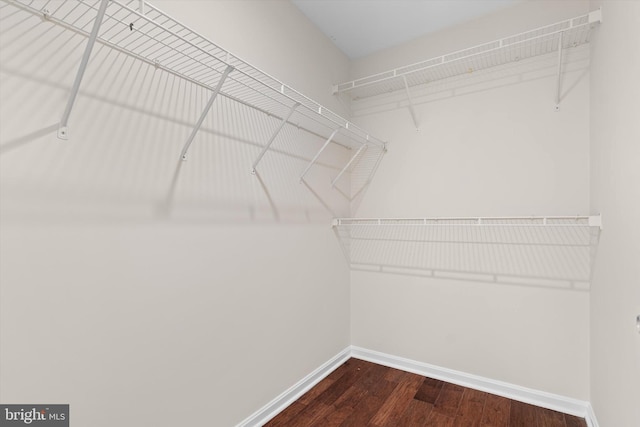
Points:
x=573 y=421
x=396 y=404
x=335 y=418
x=285 y=416
x=372 y=376
x=436 y=419
x=429 y=390
x=394 y=375
x=416 y=415
x=369 y=405
x=342 y=407
x=496 y=412
x=350 y=398
x=549 y=418
x=342 y=384
x=449 y=400
x=471 y=407
x=522 y=415
x=315 y=391
x=309 y=415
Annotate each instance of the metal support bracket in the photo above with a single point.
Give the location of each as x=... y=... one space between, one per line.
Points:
x=411 y=107
x=62 y=129
x=141 y=8
x=187 y=144
x=273 y=137
x=315 y=158
x=559 y=74
x=595 y=221
x=595 y=16
x=344 y=169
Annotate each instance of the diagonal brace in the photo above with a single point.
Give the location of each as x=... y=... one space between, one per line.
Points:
x=187 y=144
x=344 y=169
x=315 y=158
x=273 y=137
x=411 y=107
x=559 y=73
x=62 y=129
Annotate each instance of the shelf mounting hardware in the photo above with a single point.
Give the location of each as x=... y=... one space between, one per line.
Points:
x=559 y=74
x=344 y=169
x=411 y=107
x=142 y=8
x=273 y=137
x=62 y=129
x=315 y=158
x=187 y=144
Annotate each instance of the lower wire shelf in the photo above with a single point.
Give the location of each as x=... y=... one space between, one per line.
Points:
x=538 y=251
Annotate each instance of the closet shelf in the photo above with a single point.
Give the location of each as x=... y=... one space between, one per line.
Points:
x=542 y=251
x=539 y=41
x=142 y=31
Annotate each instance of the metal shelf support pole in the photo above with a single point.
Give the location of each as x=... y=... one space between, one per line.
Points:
x=187 y=144
x=62 y=129
x=411 y=107
x=273 y=137
x=559 y=74
x=344 y=169
x=315 y=158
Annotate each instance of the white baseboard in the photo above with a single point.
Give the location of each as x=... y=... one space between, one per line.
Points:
x=543 y=399
x=591 y=417
x=511 y=391
x=277 y=405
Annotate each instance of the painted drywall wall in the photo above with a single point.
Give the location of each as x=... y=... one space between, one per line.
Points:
x=488 y=144
x=146 y=291
x=615 y=192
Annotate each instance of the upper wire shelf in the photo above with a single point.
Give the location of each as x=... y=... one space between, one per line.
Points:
x=140 y=30
x=540 y=251
x=569 y=33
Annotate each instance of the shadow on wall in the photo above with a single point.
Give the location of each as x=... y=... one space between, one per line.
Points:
x=553 y=253
x=126 y=133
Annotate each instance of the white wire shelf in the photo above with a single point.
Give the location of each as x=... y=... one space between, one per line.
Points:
x=539 y=41
x=140 y=30
x=544 y=251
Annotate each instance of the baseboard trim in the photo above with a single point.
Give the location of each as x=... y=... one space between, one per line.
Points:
x=511 y=391
x=277 y=405
x=591 y=417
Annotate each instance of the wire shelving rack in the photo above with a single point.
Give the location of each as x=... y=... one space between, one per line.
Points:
x=142 y=31
x=540 y=41
x=550 y=251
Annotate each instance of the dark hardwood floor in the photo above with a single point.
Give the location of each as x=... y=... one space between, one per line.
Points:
x=361 y=393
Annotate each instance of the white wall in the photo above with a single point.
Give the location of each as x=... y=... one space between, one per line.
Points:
x=492 y=147
x=615 y=192
x=137 y=313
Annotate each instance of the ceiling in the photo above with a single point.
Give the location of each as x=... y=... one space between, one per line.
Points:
x=363 y=27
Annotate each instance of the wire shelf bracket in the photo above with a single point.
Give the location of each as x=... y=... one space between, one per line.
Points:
x=63 y=132
x=183 y=154
x=411 y=106
x=284 y=121
x=344 y=169
x=315 y=158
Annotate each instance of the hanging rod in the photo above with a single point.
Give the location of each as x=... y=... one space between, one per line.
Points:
x=539 y=41
x=159 y=40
